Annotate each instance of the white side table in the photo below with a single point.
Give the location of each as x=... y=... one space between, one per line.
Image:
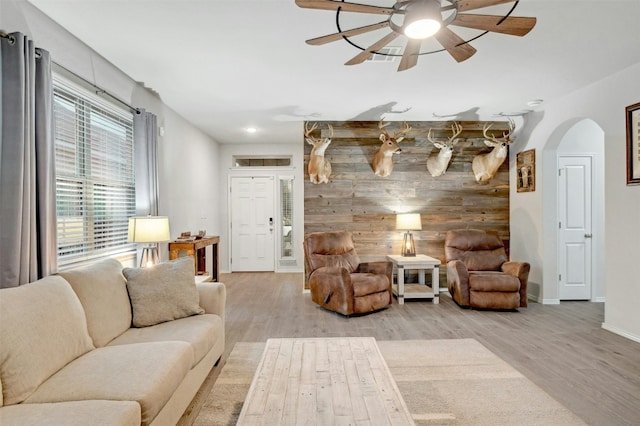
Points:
x=422 y=263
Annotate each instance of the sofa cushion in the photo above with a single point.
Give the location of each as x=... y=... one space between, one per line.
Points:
x=147 y=373
x=200 y=331
x=42 y=328
x=164 y=292
x=73 y=413
x=102 y=290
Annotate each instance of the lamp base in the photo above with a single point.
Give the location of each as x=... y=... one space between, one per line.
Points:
x=149 y=256
x=408 y=247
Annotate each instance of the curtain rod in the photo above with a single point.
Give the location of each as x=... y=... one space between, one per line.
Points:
x=99 y=90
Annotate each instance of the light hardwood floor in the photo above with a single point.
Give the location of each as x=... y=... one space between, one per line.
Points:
x=562 y=348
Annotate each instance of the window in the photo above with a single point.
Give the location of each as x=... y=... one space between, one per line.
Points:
x=286 y=213
x=241 y=161
x=95 y=188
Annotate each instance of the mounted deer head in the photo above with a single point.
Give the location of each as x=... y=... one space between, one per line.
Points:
x=437 y=163
x=486 y=165
x=383 y=160
x=319 y=167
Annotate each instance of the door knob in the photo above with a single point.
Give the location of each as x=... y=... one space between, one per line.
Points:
x=587 y=235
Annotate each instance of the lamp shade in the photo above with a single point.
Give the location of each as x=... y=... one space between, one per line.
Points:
x=149 y=229
x=408 y=222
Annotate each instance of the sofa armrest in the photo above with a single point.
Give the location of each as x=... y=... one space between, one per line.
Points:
x=458 y=282
x=521 y=271
x=213 y=297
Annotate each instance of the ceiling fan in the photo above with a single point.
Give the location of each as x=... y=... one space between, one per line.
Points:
x=418 y=20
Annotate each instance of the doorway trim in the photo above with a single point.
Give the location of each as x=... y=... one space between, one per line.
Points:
x=290 y=264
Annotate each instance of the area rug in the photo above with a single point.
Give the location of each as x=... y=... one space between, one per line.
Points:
x=443 y=382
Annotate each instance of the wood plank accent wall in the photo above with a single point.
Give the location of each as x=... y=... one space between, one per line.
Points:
x=356 y=200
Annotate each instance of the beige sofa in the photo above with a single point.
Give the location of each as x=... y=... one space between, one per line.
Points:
x=69 y=354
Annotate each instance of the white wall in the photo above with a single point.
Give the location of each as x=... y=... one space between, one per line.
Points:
x=188 y=158
x=533 y=216
x=293 y=149
x=188 y=178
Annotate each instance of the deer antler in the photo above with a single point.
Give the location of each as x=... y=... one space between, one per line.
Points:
x=307 y=130
x=506 y=136
x=330 y=131
x=456 y=129
x=382 y=126
x=406 y=129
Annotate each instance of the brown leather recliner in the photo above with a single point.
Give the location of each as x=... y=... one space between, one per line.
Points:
x=337 y=279
x=478 y=273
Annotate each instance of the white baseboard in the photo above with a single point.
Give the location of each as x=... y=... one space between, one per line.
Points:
x=599 y=299
x=550 y=301
x=621 y=332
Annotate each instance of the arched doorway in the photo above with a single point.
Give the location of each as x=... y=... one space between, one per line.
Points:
x=578 y=138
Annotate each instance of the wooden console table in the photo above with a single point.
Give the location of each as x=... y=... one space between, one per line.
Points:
x=197 y=249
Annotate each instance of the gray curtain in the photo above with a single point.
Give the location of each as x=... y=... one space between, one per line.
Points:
x=145 y=131
x=28 y=245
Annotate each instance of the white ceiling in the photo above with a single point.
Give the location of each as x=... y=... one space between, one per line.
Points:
x=227 y=65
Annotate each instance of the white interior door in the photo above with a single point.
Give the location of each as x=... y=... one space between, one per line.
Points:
x=252 y=224
x=574 y=224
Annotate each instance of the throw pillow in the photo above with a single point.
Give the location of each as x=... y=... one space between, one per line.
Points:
x=102 y=290
x=164 y=292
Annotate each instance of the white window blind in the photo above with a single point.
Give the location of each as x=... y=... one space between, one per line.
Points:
x=95 y=188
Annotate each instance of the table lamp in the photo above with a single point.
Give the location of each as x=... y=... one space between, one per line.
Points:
x=150 y=230
x=408 y=222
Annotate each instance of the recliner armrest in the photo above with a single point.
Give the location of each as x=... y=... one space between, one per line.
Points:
x=380 y=268
x=521 y=271
x=517 y=269
x=458 y=282
x=331 y=287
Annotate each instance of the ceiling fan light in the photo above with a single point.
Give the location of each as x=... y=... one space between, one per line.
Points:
x=423 y=19
x=422 y=28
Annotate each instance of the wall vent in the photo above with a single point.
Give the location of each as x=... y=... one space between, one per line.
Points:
x=386 y=52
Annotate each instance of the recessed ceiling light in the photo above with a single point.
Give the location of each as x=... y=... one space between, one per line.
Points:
x=535 y=102
x=251 y=130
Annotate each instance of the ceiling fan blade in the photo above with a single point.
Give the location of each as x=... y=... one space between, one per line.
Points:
x=345 y=6
x=465 y=5
x=338 y=36
x=512 y=25
x=410 y=55
x=454 y=44
x=365 y=54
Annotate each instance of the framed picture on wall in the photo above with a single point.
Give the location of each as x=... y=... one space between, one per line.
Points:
x=526 y=171
x=633 y=144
